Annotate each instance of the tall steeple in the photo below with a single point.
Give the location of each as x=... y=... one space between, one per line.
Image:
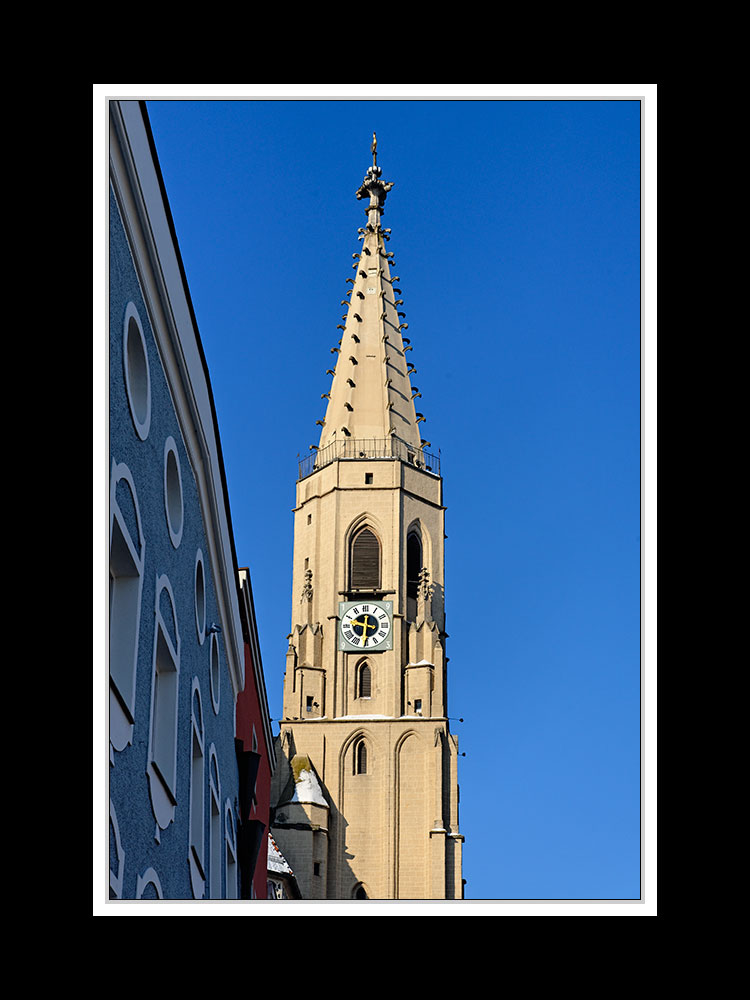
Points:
x=371 y=397
x=366 y=794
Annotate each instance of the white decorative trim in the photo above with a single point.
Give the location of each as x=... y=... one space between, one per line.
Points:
x=161 y=769
x=214 y=825
x=173 y=497
x=197 y=799
x=214 y=667
x=126 y=590
x=149 y=877
x=200 y=596
x=231 y=867
x=136 y=371
x=115 y=879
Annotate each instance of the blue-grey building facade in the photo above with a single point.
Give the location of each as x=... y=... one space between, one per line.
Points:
x=176 y=654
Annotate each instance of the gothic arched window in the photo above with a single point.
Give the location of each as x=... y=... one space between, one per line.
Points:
x=364 y=681
x=364 y=563
x=360 y=757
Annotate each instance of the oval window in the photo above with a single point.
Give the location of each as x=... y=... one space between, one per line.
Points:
x=137 y=378
x=173 y=491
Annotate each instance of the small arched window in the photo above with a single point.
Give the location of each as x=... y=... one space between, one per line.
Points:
x=360 y=758
x=364 y=688
x=365 y=561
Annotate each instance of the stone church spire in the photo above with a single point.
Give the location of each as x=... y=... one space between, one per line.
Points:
x=371 y=398
x=366 y=792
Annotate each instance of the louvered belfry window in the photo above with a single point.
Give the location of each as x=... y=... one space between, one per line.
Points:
x=365 y=561
x=365 y=681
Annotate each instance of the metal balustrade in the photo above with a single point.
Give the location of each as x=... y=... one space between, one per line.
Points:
x=360 y=449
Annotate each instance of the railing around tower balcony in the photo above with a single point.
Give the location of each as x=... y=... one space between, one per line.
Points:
x=358 y=449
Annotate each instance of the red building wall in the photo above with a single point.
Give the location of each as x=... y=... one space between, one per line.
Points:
x=253 y=735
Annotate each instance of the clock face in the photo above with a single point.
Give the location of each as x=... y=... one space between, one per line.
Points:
x=365 y=625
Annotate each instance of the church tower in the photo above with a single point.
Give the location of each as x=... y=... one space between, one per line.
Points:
x=366 y=794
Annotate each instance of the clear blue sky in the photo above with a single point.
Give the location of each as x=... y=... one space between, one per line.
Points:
x=516 y=228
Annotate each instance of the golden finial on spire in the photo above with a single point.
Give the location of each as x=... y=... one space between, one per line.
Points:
x=372 y=186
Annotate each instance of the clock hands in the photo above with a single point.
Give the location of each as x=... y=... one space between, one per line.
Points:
x=365 y=624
